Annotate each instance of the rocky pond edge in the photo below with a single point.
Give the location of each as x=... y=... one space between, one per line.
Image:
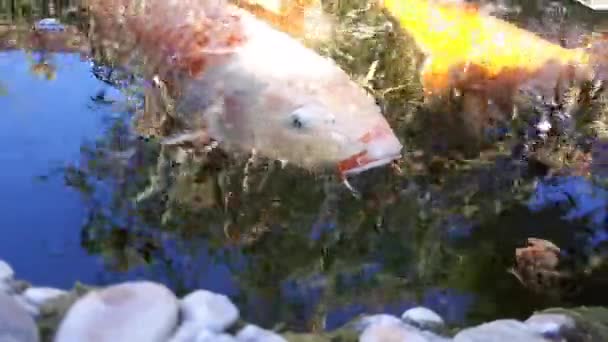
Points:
x=145 y=311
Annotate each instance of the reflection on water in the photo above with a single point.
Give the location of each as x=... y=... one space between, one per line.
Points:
x=84 y=199
x=42 y=126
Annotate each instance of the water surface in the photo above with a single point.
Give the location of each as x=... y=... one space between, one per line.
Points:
x=294 y=248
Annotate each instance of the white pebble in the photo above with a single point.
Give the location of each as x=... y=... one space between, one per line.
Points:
x=31 y=309
x=423 y=318
x=6 y=272
x=15 y=324
x=376 y=320
x=391 y=332
x=37 y=296
x=502 y=330
x=252 y=333
x=209 y=336
x=139 y=311
x=211 y=311
x=550 y=325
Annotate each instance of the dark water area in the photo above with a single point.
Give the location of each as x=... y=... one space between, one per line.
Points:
x=83 y=199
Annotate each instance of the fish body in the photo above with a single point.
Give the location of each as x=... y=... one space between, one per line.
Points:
x=464 y=45
x=248 y=85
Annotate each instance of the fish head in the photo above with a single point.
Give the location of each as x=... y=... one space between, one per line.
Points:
x=314 y=121
x=333 y=132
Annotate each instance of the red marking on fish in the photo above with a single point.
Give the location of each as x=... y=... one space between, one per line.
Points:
x=353 y=162
x=376 y=132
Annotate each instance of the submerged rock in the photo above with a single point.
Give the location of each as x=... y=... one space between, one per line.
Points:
x=139 y=311
x=502 y=330
x=252 y=333
x=16 y=325
x=423 y=318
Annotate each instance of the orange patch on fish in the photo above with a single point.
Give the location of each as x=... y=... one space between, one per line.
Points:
x=455 y=35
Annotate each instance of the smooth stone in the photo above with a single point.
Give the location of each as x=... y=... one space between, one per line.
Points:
x=551 y=325
x=38 y=296
x=31 y=309
x=16 y=325
x=391 y=333
x=186 y=332
x=423 y=318
x=379 y=319
x=6 y=272
x=211 y=311
x=397 y=331
x=252 y=333
x=502 y=330
x=192 y=332
x=33 y=298
x=13 y=287
x=209 y=336
x=5 y=287
x=431 y=337
x=139 y=311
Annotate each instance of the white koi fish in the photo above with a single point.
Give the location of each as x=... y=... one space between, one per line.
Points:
x=249 y=86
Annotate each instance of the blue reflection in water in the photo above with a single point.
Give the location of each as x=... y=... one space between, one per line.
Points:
x=581 y=198
x=43 y=126
x=453 y=306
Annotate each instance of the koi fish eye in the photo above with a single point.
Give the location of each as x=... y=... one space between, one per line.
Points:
x=310 y=115
x=296 y=122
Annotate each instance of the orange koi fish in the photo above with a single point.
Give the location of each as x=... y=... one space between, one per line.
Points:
x=468 y=49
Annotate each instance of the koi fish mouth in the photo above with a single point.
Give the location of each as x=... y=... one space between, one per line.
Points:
x=382 y=148
x=362 y=162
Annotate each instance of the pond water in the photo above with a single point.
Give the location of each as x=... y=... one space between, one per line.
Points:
x=295 y=248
